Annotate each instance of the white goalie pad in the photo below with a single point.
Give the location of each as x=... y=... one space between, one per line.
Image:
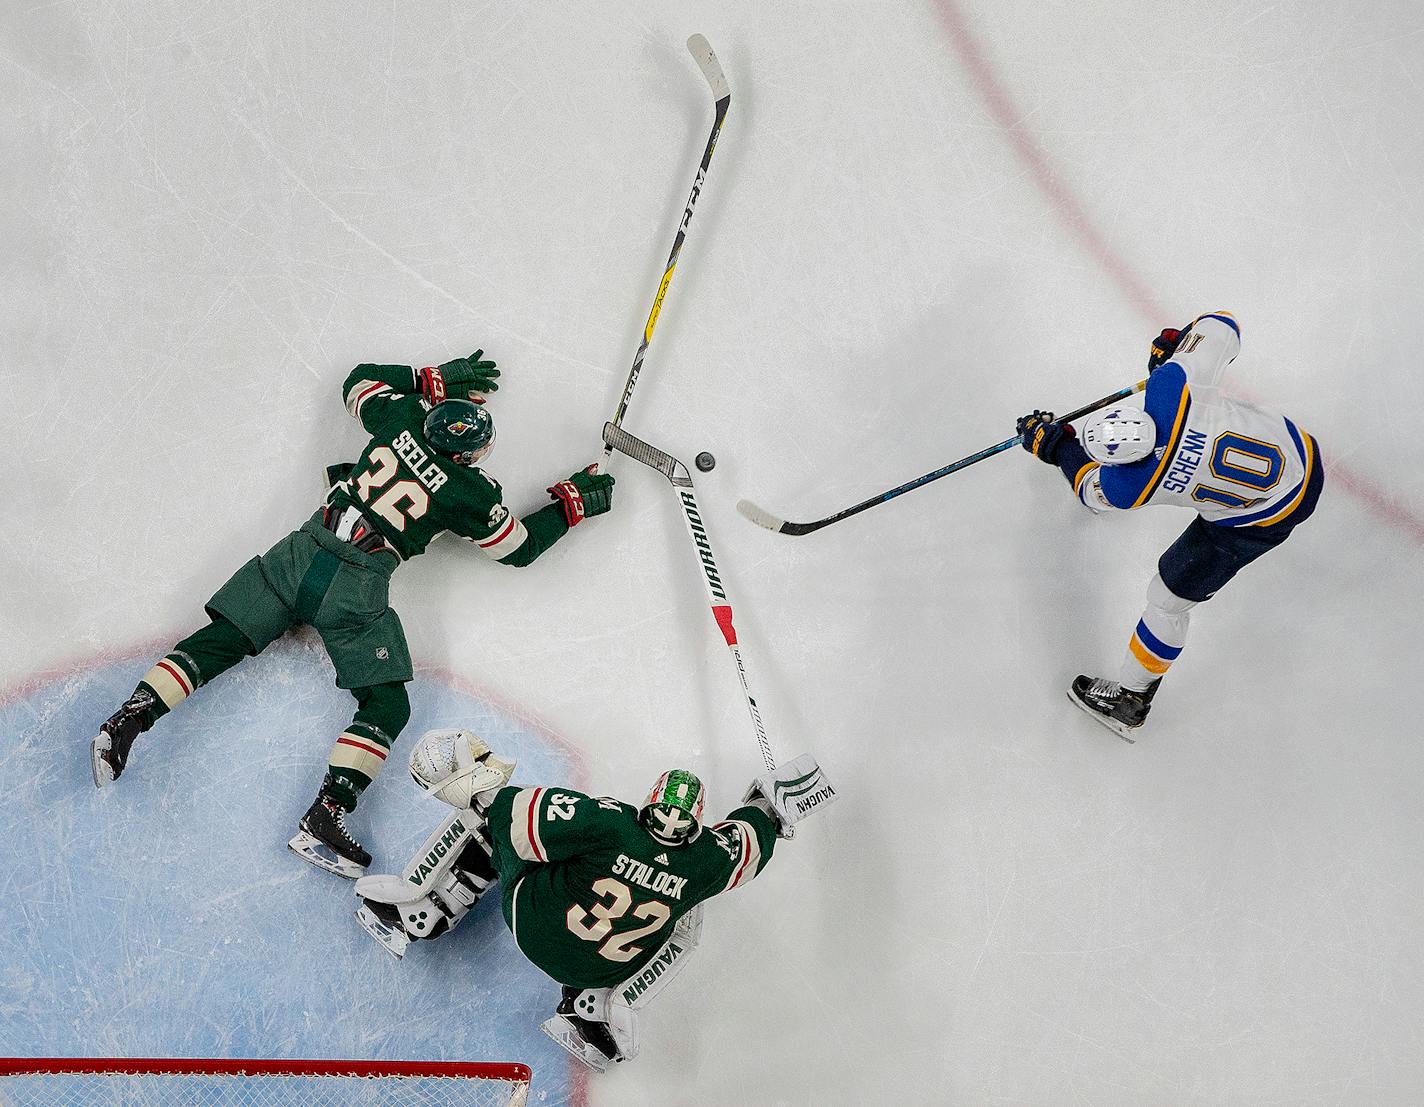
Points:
x=793 y=790
x=456 y=767
x=428 y=872
x=431 y=895
x=638 y=991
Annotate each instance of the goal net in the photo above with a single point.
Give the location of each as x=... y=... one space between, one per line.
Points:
x=146 y=1082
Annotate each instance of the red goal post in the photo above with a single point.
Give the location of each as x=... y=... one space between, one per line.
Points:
x=252 y=1082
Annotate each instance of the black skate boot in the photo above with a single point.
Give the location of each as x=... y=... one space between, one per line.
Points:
x=591 y=1042
x=324 y=840
x=109 y=752
x=1121 y=710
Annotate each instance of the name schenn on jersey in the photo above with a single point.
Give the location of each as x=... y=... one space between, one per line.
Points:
x=645 y=876
x=1184 y=465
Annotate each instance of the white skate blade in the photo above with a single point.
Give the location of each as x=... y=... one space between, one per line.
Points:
x=103 y=774
x=567 y=1035
x=312 y=849
x=1120 y=729
x=392 y=940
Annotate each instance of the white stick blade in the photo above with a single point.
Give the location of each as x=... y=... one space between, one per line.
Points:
x=760 y=516
x=701 y=51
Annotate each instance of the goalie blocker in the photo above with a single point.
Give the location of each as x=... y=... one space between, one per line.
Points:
x=602 y=896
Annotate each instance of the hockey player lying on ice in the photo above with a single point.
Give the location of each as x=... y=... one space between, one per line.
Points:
x=602 y=896
x=417 y=478
x=1251 y=475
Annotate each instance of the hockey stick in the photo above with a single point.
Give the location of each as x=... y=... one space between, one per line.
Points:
x=707 y=61
x=763 y=518
x=616 y=438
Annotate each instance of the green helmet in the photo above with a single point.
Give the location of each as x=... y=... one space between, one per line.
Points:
x=673 y=811
x=461 y=430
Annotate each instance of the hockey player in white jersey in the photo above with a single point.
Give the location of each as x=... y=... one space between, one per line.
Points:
x=1252 y=477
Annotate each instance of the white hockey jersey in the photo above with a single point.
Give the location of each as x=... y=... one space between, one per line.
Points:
x=1236 y=464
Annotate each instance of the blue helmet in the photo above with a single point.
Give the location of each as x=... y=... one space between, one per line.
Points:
x=461 y=430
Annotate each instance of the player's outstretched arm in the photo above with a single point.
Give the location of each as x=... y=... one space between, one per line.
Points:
x=369 y=388
x=1057 y=444
x=515 y=541
x=748 y=838
x=471 y=378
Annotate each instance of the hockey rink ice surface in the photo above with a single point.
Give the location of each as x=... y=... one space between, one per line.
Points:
x=924 y=218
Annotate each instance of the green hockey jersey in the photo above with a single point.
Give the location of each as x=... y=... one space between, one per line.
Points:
x=591 y=896
x=411 y=494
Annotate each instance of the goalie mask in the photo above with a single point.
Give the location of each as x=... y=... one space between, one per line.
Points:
x=1118 y=435
x=673 y=811
x=461 y=430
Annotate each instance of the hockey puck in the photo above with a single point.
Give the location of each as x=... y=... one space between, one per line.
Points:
x=705 y=461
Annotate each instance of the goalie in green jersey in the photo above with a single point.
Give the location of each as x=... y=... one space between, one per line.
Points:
x=418 y=477
x=602 y=896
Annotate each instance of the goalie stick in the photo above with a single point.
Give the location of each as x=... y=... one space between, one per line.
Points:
x=616 y=438
x=763 y=518
x=706 y=60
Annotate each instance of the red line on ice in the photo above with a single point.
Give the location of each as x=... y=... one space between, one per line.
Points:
x=1071 y=210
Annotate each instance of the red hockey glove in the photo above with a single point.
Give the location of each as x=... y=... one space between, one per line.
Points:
x=464 y=377
x=584 y=495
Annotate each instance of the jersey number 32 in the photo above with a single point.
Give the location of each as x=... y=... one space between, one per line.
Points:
x=596 y=923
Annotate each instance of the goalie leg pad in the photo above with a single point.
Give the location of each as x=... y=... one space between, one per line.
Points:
x=638 y=991
x=439 y=886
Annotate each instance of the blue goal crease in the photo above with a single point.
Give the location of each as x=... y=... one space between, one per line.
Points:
x=165 y=917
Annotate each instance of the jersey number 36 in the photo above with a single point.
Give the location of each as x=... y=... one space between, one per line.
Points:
x=596 y=923
x=388 y=506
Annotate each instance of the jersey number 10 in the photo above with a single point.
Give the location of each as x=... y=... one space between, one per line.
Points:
x=1243 y=461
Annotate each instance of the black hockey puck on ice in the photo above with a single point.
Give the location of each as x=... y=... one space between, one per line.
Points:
x=705 y=461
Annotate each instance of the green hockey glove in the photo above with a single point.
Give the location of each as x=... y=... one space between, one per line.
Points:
x=464 y=376
x=585 y=494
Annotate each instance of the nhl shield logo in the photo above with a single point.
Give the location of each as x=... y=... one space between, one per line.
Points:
x=382 y=654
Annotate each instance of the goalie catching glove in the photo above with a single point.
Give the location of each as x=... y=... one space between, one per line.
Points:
x=790 y=792
x=456 y=766
x=585 y=494
x=465 y=377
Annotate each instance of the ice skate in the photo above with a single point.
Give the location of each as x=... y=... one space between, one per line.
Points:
x=591 y=1042
x=324 y=840
x=383 y=922
x=109 y=752
x=1120 y=709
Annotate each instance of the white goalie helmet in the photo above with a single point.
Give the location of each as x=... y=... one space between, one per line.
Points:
x=1118 y=435
x=456 y=766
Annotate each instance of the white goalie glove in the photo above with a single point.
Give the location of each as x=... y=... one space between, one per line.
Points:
x=456 y=766
x=791 y=792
